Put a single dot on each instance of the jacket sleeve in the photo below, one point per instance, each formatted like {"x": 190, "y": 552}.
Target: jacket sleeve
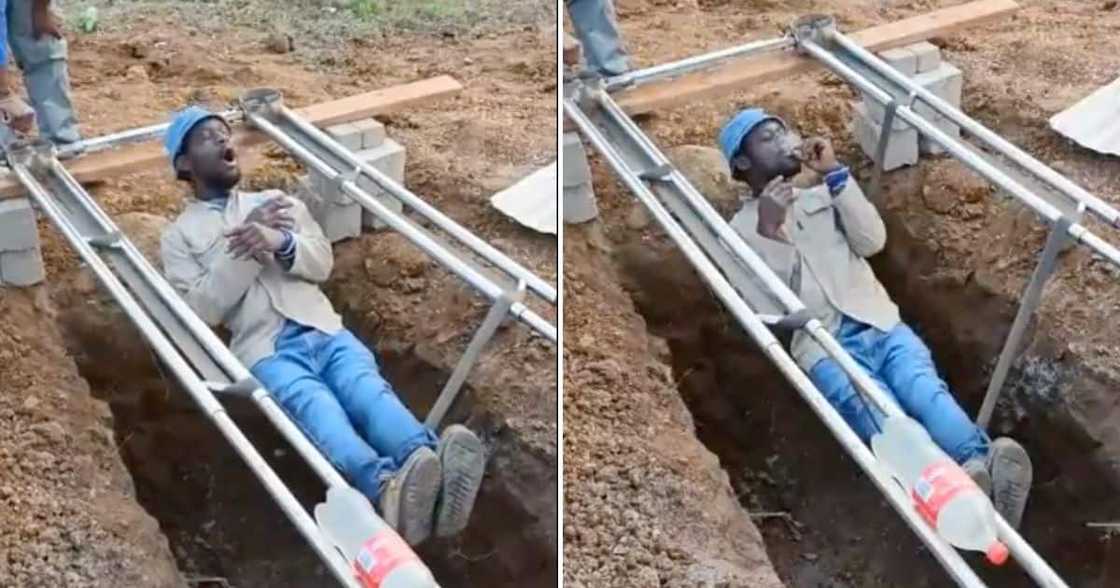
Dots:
{"x": 859, "y": 220}
{"x": 211, "y": 291}
{"x": 314, "y": 258}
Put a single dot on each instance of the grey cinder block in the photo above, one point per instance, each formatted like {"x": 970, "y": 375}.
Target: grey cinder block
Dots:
{"x": 902, "y": 150}
{"x": 22, "y": 267}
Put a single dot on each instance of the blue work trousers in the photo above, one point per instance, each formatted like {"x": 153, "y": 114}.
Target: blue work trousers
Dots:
{"x": 902, "y": 365}
{"x": 597, "y": 28}
{"x": 332, "y": 388}
{"x": 46, "y": 73}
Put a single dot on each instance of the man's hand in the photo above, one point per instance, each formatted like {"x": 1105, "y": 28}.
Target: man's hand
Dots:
{"x": 773, "y": 209}
{"x": 273, "y": 214}
{"x": 254, "y": 240}
{"x": 43, "y": 20}
{"x": 817, "y": 155}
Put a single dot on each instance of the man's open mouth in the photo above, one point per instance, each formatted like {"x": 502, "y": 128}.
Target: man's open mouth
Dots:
{"x": 229, "y": 156}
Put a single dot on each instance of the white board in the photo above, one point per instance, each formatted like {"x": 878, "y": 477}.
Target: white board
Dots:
{"x": 532, "y": 201}
{"x": 1094, "y": 122}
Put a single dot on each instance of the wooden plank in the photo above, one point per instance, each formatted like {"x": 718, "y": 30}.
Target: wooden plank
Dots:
{"x": 742, "y": 74}
{"x": 102, "y": 165}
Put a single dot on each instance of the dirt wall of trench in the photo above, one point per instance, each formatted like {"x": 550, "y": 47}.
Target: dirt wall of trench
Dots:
{"x": 68, "y": 513}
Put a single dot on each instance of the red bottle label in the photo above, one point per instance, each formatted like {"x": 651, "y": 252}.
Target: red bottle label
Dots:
{"x": 383, "y": 553}
{"x": 939, "y": 483}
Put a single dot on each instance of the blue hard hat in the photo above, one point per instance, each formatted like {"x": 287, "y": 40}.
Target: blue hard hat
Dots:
{"x": 181, "y": 125}
{"x": 741, "y": 125}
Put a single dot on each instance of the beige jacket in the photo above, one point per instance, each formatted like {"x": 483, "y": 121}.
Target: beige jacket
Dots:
{"x": 250, "y": 298}
{"x": 831, "y": 239}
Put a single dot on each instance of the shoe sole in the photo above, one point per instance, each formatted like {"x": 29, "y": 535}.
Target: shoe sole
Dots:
{"x": 464, "y": 463}
{"x": 418, "y": 494}
{"x": 1012, "y": 475}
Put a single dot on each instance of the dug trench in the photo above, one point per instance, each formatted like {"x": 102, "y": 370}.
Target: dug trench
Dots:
{"x": 823, "y": 522}
{"x": 223, "y": 527}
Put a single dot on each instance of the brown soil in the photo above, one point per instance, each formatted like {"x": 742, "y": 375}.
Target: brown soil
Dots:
{"x": 69, "y": 515}
{"x": 957, "y": 261}
{"x": 460, "y": 151}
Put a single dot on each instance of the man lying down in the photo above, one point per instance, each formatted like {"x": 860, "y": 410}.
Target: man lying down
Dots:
{"x": 817, "y": 240}
{"x": 253, "y": 262}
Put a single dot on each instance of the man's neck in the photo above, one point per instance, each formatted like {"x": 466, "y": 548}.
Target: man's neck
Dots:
{"x": 212, "y": 194}
{"x": 758, "y": 183}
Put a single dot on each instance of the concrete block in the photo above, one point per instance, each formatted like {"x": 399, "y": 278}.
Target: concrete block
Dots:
{"x": 947, "y": 82}
{"x": 22, "y": 267}
{"x": 902, "y": 150}
{"x": 17, "y": 225}
{"x": 373, "y": 132}
{"x": 928, "y": 147}
{"x": 347, "y": 134}
{"x": 579, "y": 204}
{"x": 389, "y": 159}
{"x": 902, "y": 59}
{"x": 576, "y": 170}
{"x": 928, "y": 56}
{"x": 341, "y": 221}
{"x": 878, "y": 113}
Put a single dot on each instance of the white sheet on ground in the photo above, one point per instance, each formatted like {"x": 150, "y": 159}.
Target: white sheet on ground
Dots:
{"x": 1094, "y": 122}
{"x": 532, "y": 201}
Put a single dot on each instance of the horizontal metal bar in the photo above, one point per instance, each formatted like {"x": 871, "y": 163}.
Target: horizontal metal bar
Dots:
{"x": 689, "y": 64}
{"x": 745, "y": 316}
{"x": 412, "y": 232}
{"x": 137, "y": 135}
{"x": 417, "y": 204}
{"x": 190, "y": 381}
{"x": 966, "y": 156}
{"x": 973, "y": 127}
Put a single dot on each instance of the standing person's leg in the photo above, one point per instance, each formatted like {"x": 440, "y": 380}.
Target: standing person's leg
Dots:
{"x": 351, "y": 370}
{"x": 45, "y": 73}
{"x": 597, "y": 29}
{"x": 291, "y": 377}
{"x": 16, "y": 113}
{"x": 908, "y": 368}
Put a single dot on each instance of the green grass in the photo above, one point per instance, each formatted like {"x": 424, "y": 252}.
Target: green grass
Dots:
{"x": 318, "y": 26}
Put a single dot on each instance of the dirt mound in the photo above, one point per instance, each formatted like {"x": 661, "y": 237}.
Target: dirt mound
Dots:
{"x": 69, "y": 512}
{"x": 645, "y": 503}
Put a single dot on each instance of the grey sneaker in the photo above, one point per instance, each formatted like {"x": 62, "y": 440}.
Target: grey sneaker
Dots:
{"x": 977, "y": 469}
{"x": 408, "y": 499}
{"x": 1011, "y": 472}
{"x": 464, "y": 462}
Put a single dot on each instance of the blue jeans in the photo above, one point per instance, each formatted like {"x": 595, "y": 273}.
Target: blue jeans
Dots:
{"x": 902, "y": 365}
{"x": 331, "y": 387}
{"x": 595, "y": 25}
{"x": 46, "y": 74}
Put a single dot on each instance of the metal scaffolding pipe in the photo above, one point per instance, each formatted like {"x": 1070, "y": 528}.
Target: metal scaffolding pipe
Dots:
{"x": 430, "y": 246}
{"x": 1027, "y": 161}
{"x": 411, "y": 200}
{"x": 978, "y": 164}
{"x": 942, "y": 551}
{"x": 190, "y": 381}
{"x": 221, "y": 354}
{"x": 137, "y": 135}
{"x": 689, "y": 64}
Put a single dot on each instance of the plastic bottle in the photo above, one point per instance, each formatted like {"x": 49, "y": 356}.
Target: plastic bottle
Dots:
{"x": 942, "y": 492}
{"x": 380, "y": 557}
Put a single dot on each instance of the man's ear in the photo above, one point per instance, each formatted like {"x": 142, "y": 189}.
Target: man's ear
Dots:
{"x": 183, "y": 169}
{"x": 740, "y": 165}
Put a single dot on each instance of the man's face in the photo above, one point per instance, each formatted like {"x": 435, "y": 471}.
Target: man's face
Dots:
{"x": 210, "y": 158}
{"x": 769, "y": 151}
